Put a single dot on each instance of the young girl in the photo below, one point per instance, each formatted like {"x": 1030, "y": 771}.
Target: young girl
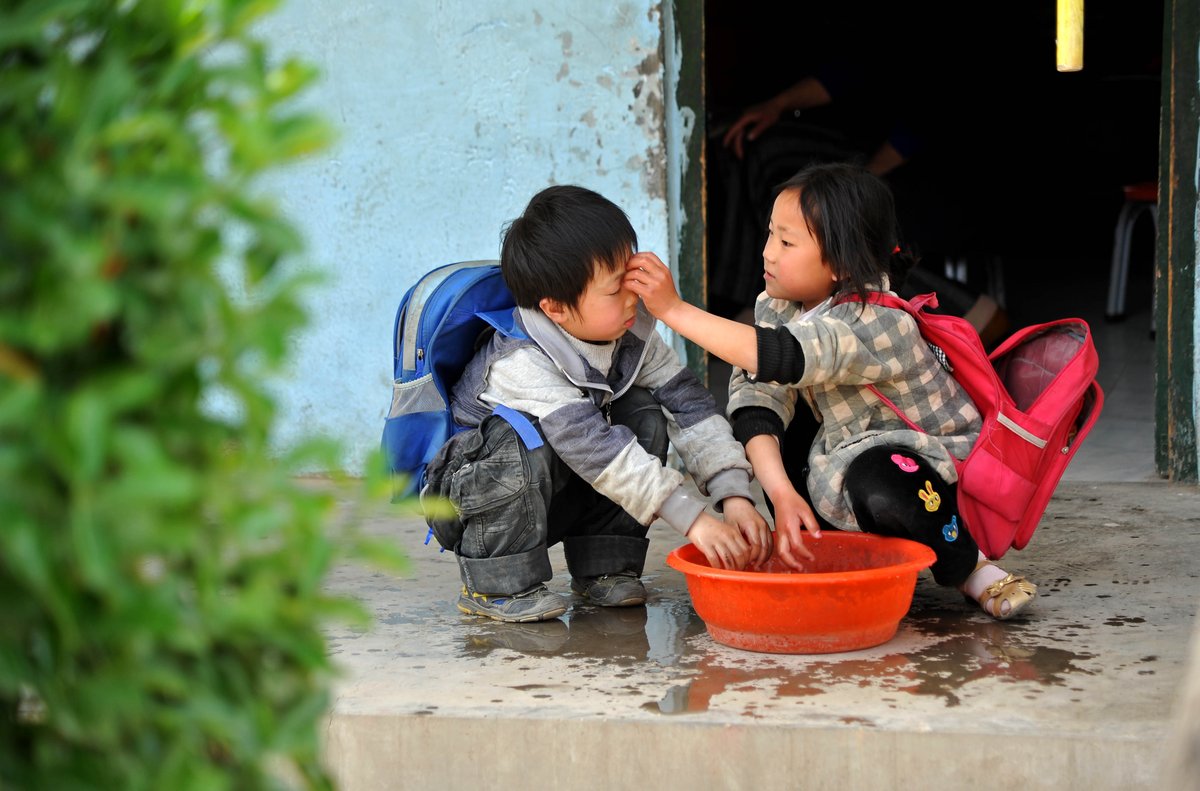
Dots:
{"x": 814, "y": 433}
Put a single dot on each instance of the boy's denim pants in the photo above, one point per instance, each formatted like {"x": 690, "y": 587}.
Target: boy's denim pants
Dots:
{"x": 513, "y": 504}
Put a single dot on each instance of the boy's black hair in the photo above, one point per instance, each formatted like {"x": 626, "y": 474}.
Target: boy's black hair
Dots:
{"x": 852, "y": 215}
{"x": 565, "y": 235}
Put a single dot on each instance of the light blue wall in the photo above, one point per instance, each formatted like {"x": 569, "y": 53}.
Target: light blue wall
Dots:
{"x": 451, "y": 115}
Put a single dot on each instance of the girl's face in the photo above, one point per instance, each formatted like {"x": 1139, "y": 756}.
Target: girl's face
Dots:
{"x": 792, "y": 264}
{"x": 605, "y": 312}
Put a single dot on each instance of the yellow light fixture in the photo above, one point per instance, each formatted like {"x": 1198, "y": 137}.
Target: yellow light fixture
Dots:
{"x": 1070, "y": 35}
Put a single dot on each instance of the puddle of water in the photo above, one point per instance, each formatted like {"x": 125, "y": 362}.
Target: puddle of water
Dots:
{"x": 1123, "y": 620}
{"x": 624, "y": 636}
{"x": 542, "y": 637}
{"x": 945, "y": 654}
{"x": 429, "y": 613}
{"x": 944, "y": 651}
{"x": 985, "y": 650}
{"x": 675, "y": 701}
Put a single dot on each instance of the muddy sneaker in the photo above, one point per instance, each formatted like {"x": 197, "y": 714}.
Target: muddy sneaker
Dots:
{"x": 538, "y": 603}
{"x": 622, "y": 589}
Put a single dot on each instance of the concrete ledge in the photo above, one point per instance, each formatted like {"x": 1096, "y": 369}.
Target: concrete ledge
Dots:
{"x": 1079, "y": 694}
{"x": 502, "y": 753}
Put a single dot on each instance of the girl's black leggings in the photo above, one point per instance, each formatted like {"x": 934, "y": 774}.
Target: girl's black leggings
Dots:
{"x": 894, "y": 492}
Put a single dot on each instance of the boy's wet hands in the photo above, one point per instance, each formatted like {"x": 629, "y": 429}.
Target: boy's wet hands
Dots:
{"x": 722, "y": 544}
{"x": 648, "y": 277}
{"x": 741, "y": 513}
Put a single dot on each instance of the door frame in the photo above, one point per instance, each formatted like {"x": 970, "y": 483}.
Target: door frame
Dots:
{"x": 1175, "y": 259}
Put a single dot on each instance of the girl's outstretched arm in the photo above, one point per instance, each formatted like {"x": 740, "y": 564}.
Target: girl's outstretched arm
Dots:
{"x": 732, "y": 341}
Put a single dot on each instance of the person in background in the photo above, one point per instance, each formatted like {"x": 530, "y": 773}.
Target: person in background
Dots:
{"x": 906, "y": 104}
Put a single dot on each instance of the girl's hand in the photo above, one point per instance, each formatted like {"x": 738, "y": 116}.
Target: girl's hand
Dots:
{"x": 734, "y": 342}
{"x": 650, "y": 279}
{"x": 741, "y": 513}
{"x": 792, "y": 516}
{"x": 721, "y": 543}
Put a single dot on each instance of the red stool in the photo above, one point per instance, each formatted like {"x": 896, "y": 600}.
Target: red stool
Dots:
{"x": 1139, "y": 198}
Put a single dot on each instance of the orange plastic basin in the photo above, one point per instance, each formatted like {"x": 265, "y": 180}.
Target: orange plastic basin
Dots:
{"x": 851, "y": 596}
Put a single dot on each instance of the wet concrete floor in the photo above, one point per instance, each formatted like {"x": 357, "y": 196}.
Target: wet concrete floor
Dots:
{"x": 1079, "y": 693}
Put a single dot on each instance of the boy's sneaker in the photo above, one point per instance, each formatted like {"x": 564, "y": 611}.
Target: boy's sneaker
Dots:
{"x": 538, "y": 603}
{"x": 622, "y": 589}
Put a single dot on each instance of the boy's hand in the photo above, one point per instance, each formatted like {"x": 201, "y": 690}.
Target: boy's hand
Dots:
{"x": 741, "y": 513}
{"x": 648, "y": 277}
{"x": 792, "y": 516}
{"x": 721, "y": 543}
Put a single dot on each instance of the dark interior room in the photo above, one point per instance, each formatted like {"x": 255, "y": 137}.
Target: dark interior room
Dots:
{"x": 1012, "y": 168}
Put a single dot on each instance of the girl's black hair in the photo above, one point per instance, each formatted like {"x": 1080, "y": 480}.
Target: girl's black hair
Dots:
{"x": 564, "y": 236}
{"x": 852, "y": 215}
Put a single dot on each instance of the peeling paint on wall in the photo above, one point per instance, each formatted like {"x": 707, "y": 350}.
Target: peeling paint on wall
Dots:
{"x": 648, "y": 113}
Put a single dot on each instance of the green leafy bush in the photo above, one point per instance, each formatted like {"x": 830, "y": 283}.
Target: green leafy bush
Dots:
{"x": 161, "y": 565}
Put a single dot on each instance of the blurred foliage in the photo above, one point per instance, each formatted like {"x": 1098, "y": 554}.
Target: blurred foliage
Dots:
{"x": 162, "y": 567}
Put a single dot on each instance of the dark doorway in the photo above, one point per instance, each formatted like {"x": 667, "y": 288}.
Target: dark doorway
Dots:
{"x": 1015, "y": 163}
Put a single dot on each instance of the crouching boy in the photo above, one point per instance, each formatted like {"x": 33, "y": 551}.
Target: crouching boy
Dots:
{"x": 575, "y": 453}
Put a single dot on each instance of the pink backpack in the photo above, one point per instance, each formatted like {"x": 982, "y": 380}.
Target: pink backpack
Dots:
{"x": 1039, "y": 398}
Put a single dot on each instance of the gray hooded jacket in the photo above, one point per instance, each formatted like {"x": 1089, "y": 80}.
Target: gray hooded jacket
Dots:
{"x": 567, "y": 384}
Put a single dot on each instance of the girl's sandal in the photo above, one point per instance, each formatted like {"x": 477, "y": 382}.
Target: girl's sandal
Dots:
{"x": 1017, "y": 591}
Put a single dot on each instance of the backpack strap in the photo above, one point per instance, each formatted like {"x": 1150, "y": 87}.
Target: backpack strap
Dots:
{"x": 914, "y": 305}
{"x": 505, "y": 322}
{"x": 911, "y": 306}
{"x": 895, "y": 408}
{"x": 521, "y": 424}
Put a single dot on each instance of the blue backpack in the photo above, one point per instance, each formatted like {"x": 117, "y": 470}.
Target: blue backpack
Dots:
{"x": 438, "y": 328}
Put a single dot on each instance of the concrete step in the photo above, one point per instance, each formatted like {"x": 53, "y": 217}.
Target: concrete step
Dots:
{"x": 1080, "y": 693}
